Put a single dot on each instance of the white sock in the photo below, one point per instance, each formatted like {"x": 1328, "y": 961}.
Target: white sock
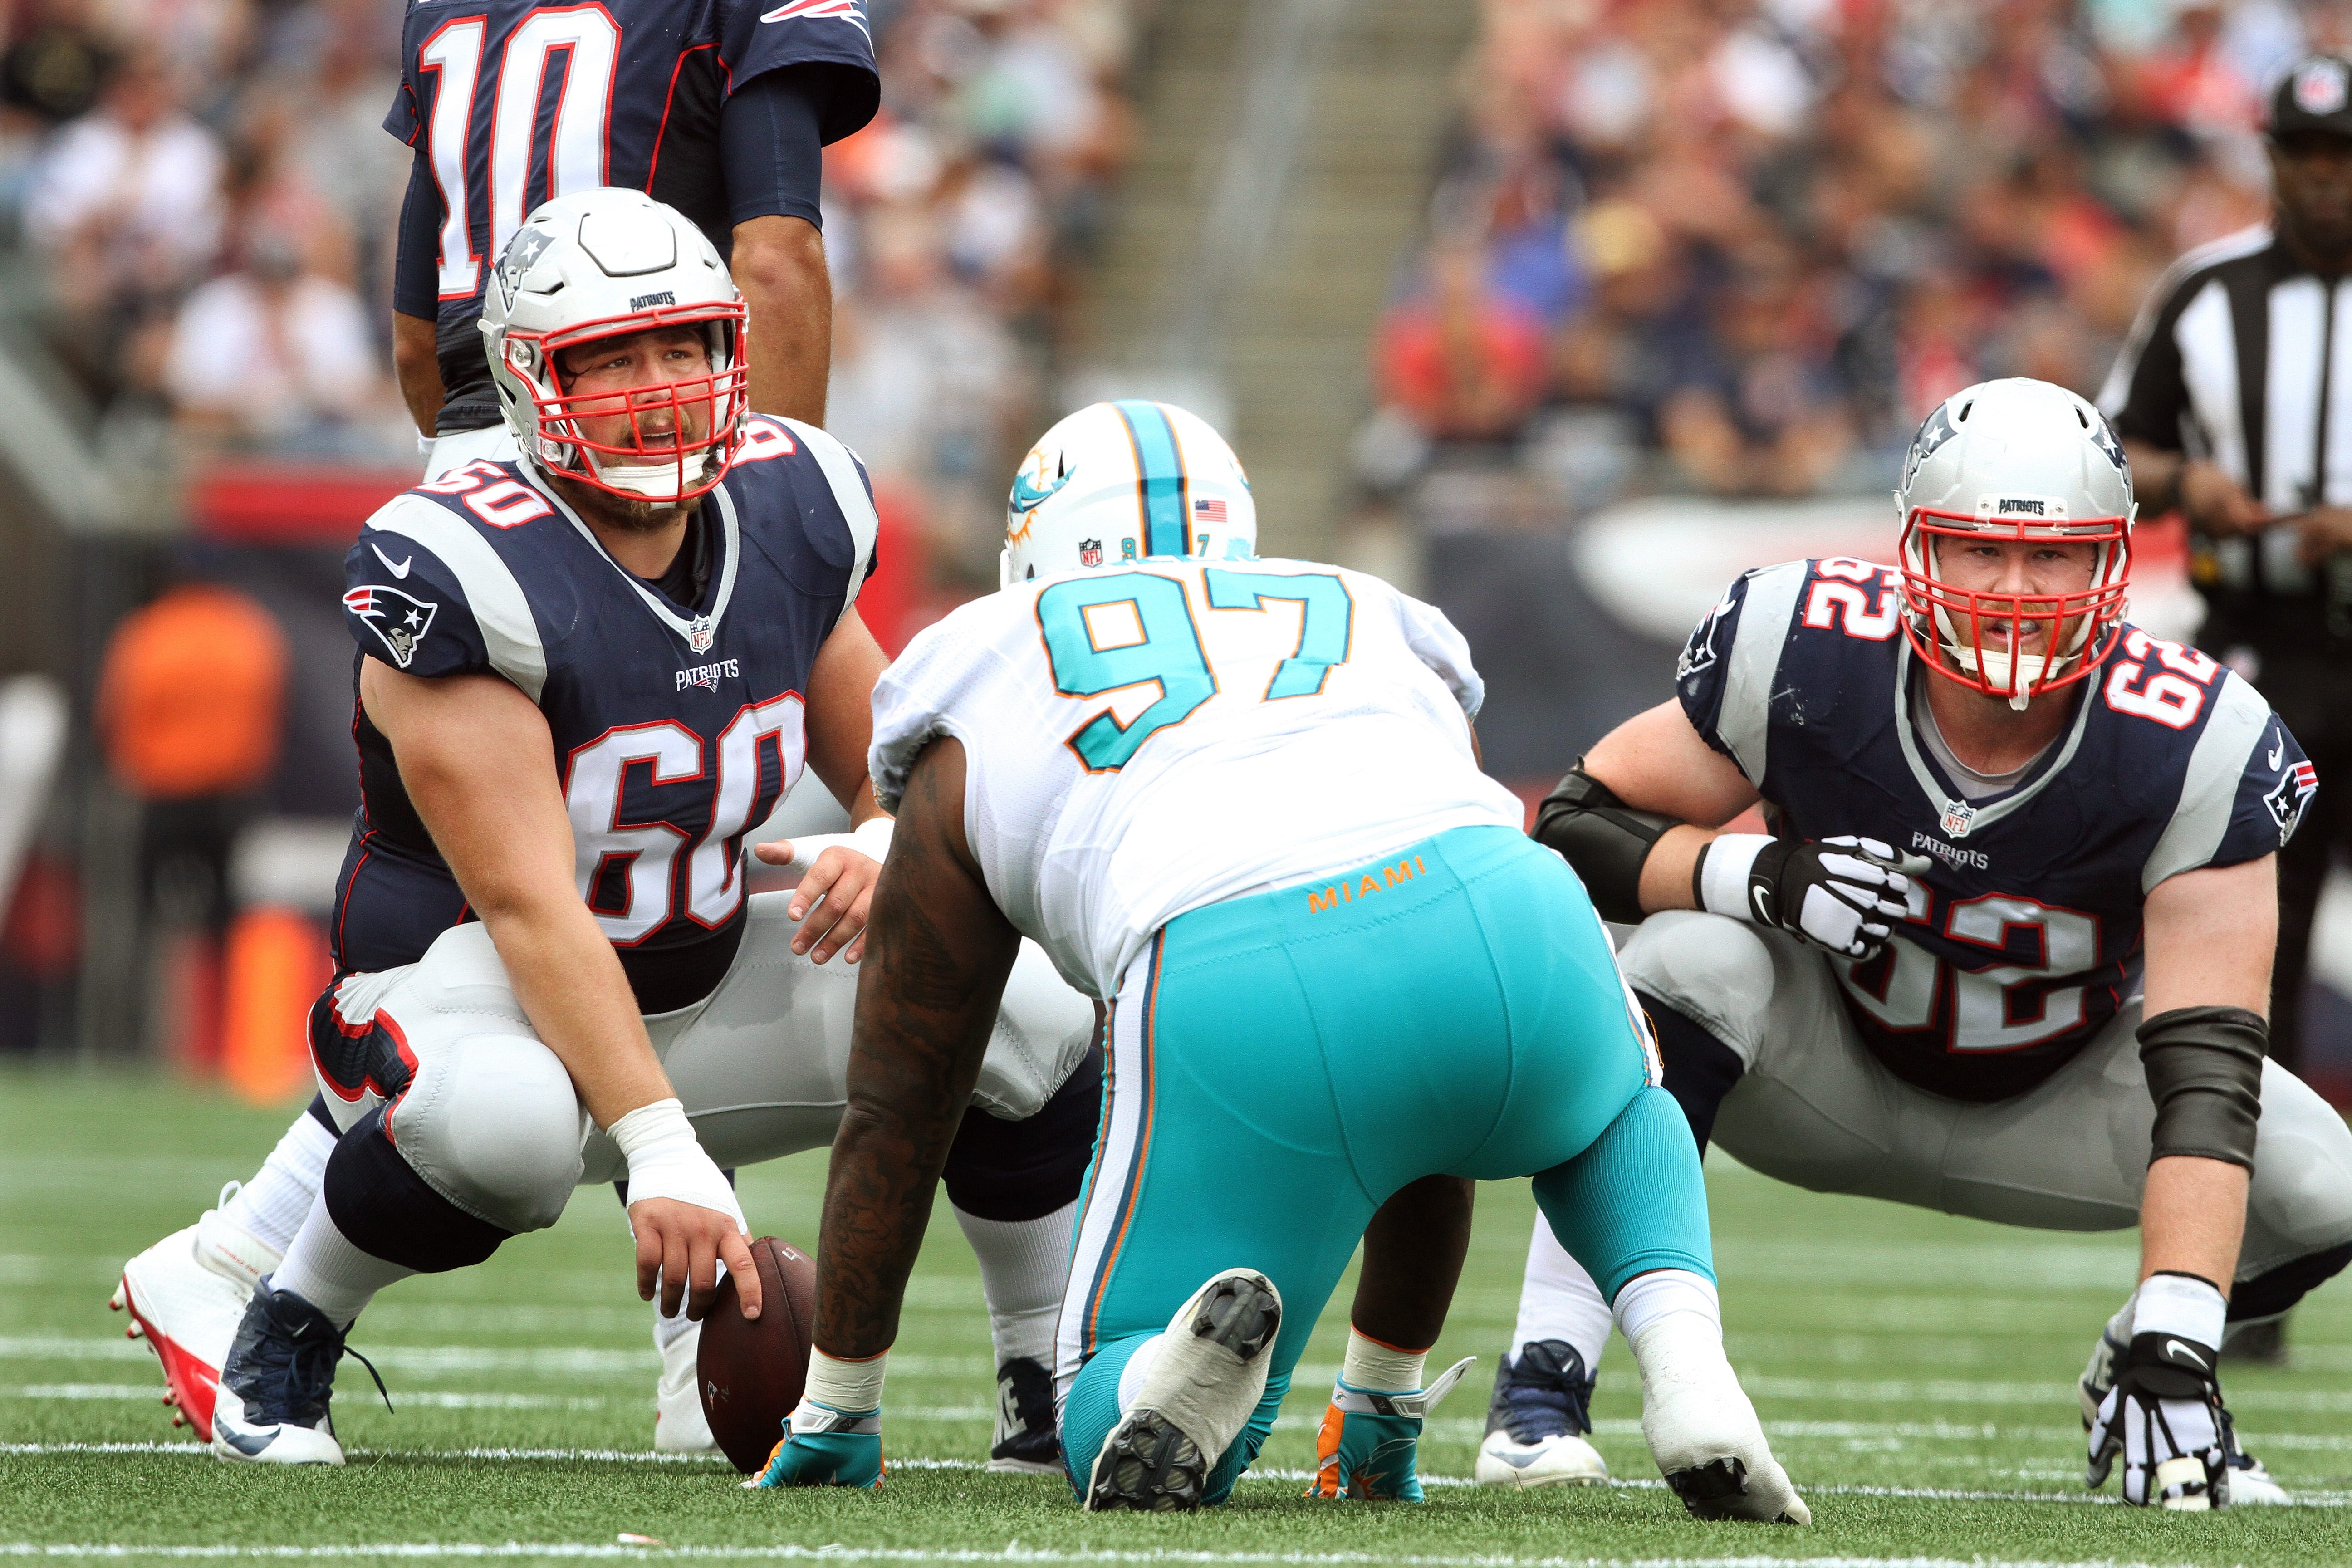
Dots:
{"x": 668, "y": 1329}
{"x": 1662, "y": 1292}
{"x": 326, "y": 1268}
{"x": 1381, "y": 1369}
{"x": 1025, "y": 1265}
{"x": 1559, "y": 1301}
{"x": 272, "y": 1207}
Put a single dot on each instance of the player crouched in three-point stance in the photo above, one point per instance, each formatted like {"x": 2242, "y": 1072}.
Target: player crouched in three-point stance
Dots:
{"x": 2008, "y": 951}
{"x": 587, "y": 674}
{"x": 1238, "y": 800}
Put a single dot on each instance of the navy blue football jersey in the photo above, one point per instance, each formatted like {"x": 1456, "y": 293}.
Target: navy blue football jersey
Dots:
{"x": 2023, "y": 937}
{"x": 517, "y": 103}
{"x": 677, "y": 727}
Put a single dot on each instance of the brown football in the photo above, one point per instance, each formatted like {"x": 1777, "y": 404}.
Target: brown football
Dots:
{"x": 751, "y": 1370}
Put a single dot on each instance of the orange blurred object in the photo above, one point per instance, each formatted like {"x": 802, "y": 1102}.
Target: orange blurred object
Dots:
{"x": 190, "y": 697}
{"x": 276, "y": 966}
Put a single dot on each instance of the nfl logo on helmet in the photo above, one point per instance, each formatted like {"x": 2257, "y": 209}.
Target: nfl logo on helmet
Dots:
{"x": 1090, "y": 551}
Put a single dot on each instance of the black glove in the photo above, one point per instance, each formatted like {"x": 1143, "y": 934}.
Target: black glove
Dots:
{"x": 2164, "y": 1415}
{"x": 1842, "y": 894}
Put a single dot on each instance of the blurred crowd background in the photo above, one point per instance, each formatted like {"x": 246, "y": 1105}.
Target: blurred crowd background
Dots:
{"x": 1739, "y": 247}
{"x": 1690, "y": 270}
{"x": 200, "y": 204}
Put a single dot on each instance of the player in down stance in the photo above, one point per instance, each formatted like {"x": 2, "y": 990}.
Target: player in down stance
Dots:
{"x": 586, "y": 675}
{"x": 1239, "y": 801}
{"x": 2008, "y": 951}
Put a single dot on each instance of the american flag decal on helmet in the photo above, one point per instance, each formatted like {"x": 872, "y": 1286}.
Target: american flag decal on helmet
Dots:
{"x": 1209, "y": 509}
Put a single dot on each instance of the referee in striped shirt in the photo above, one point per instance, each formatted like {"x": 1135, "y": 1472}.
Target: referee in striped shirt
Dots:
{"x": 2234, "y": 399}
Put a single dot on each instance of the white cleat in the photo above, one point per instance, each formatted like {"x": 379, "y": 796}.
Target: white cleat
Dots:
{"x": 277, "y": 1383}
{"x": 1561, "y": 1459}
{"x": 1208, "y": 1373}
{"x": 1703, "y": 1431}
{"x": 679, "y": 1425}
{"x": 185, "y": 1296}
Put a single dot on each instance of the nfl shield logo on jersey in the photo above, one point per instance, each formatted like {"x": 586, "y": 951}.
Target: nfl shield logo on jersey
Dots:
{"x": 701, "y": 635}
{"x": 1090, "y": 551}
{"x": 1958, "y": 815}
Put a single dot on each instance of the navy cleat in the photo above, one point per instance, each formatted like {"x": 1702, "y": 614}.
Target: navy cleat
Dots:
{"x": 1028, "y": 1440}
{"x": 1538, "y": 1426}
{"x": 276, "y": 1383}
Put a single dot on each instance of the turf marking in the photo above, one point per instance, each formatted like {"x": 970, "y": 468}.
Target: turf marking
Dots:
{"x": 836, "y": 1553}
{"x": 2303, "y": 1497}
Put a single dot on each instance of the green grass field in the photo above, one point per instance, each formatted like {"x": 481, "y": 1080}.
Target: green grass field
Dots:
{"x": 1915, "y": 1372}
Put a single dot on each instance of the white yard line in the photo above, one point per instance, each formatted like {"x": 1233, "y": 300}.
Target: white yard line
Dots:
{"x": 1014, "y": 1553}
{"x": 2304, "y": 1497}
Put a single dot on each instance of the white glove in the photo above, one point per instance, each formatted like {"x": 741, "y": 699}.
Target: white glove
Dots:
{"x": 1843, "y": 894}
{"x": 665, "y": 1161}
{"x": 2163, "y": 1415}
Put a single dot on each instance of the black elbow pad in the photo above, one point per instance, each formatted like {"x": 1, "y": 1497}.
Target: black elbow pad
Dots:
{"x": 1604, "y": 840}
{"x": 2204, "y": 1068}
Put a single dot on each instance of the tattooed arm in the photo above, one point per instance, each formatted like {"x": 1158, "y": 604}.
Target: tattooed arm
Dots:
{"x": 937, "y": 955}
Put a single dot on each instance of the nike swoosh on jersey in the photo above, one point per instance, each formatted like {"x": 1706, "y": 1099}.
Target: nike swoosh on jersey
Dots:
{"x": 2278, "y": 753}
{"x": 2172, "y": 1345}
{"x": 397, "y": 568}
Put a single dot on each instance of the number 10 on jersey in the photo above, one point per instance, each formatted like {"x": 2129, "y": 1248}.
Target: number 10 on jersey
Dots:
{"x": 1107, "y": 633}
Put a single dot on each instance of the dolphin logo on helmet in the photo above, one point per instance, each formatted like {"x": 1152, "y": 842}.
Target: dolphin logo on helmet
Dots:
{"x": 1150, "y": 475}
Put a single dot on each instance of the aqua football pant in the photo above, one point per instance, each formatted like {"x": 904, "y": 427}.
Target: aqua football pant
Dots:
{"x": 1281, "y": 1063}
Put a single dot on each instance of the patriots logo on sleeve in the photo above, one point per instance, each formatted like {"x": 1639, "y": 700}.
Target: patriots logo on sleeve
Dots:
{"x": 399, "y": 620}
{"x": 2296, "y": 785}
{"x": 850, "y": 11}
{"x": 1699, "y": 653}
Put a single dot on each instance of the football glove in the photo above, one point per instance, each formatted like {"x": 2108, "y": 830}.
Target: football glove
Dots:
{"x": 1843, "y": 894}
{"x": 826, "y": 1447}
{"x": 1369, "y": 1441}
{"x": 2164, "y": 1416}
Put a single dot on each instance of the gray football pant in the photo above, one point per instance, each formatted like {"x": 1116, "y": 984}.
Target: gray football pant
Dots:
{"x": 1815, "y": 1108}
{"x": 490, "y": 1120}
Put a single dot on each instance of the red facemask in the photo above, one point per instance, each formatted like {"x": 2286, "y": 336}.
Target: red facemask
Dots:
{"x": 1953, "y": 628}
{"x": 647, "y": 463}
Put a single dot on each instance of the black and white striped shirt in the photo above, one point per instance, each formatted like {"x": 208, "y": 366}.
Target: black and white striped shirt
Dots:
{"x": 2243, "y": 357}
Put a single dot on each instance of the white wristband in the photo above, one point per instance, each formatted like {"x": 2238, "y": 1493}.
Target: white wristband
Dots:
{"x": 855, "y": 1386}
{"x": 666, "y": 1161}
{"x": 871, "y": 840}
{"x": 1723, "y": 876}
{"x": 2182, "y": 1305}
{"x": 873, "y": 835}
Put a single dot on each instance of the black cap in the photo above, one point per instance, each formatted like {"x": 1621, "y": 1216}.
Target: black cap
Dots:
{"x": 2316, "y": 95}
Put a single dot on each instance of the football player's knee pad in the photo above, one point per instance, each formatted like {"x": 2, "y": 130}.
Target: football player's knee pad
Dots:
{"x": 2302, "y": 1188}
{"x": 1043, "y": 1031}
{"x": 1713, "y": 970}
{"x": 493, "y": 1123}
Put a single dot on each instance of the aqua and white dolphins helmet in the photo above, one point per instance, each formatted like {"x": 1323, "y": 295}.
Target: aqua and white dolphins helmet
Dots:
{"x": 1125, "y": 482}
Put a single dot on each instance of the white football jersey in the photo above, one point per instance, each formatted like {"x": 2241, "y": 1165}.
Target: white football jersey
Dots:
{"x": 1146, "y": 740}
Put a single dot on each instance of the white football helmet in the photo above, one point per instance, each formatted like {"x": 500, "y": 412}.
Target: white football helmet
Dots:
{"x": 1124, "y": 481}
{"x": 2015, "y": 459}
{"x": 606, "y": 263}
